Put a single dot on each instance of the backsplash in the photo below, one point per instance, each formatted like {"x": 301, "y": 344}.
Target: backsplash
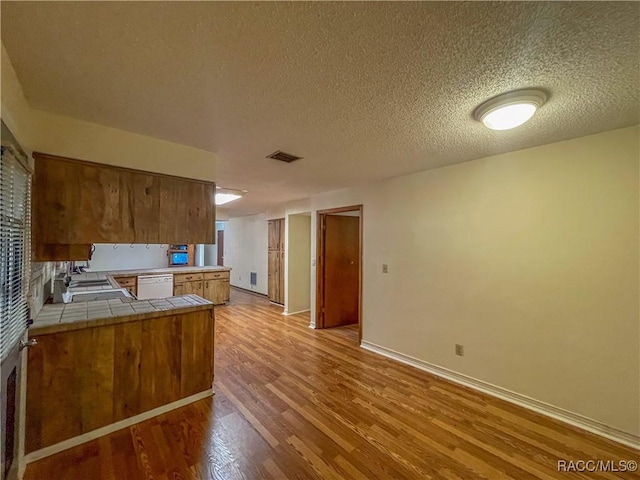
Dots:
{"x": 41, "y": 284}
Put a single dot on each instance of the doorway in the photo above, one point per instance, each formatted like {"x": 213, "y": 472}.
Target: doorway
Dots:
{"x": 339, "y": 268}
{"x": 220, "y": 259}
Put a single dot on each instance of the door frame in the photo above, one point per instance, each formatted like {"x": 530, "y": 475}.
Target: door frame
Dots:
{"x": 320, "y": 260}
{"x": 220, "y": 247}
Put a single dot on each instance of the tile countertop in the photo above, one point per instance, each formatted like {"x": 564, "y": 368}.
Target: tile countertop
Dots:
{"x": 59, "y": 317}
{"x": 148, "y": 271}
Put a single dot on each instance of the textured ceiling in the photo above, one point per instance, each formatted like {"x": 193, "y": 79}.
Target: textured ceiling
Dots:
{"x": 363, "y": 91}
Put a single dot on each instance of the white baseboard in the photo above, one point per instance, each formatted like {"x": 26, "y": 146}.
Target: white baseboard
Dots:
{"x": 295, "y": 313}
{"x": 543, "y": 408}
{"x": 127, "y": 422}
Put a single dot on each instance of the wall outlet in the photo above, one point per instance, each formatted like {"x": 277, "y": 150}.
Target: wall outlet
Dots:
{"x": 385, "y": 268}
{"x": 459, "y": 350}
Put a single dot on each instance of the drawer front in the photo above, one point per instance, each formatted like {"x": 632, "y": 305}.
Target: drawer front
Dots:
{"x": 187, "y": 277}
{"x": 126, "y": 281}
{"x": 216, "y": 275}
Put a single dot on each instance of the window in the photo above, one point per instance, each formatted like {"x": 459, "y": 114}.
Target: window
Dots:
{"x": 15, "y": 249}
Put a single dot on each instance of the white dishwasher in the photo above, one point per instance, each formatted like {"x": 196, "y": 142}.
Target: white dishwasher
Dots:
{"x": 155, "y": 286}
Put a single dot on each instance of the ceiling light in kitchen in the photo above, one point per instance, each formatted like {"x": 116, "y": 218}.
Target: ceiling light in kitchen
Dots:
{"x": 222, "y": 198}
{"x": 226, "y": 195}
{"x": 510, "y": 110}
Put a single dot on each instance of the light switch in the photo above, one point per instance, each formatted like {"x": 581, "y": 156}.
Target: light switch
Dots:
{"x": 385, "y": 268}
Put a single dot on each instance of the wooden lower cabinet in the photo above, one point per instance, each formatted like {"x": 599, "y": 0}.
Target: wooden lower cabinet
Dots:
{"x": 214, "y": 286}
{"x": 130, "y": 283}
{"x": 81, "y": 380}
{"x": 189, "y": 288}
{"x": 216, "y": 291}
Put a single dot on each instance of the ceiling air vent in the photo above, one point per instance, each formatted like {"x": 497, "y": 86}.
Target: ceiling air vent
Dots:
{"x": 283, "y": 157}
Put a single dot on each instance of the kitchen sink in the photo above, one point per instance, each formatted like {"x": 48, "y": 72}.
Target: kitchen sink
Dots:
{"x": 92, "y": 295}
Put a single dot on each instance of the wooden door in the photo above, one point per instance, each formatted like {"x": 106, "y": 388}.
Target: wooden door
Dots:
{"x": 274, "y": 276}
{"x": 220, "y": 260}
{"x": 341, "y": 293}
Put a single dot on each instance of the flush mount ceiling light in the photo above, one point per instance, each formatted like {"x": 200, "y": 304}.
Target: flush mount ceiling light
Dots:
{"x": 510, "y": 110}
{"x": 226, "y": 195}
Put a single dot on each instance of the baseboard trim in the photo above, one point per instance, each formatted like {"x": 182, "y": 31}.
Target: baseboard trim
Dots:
{"x": 295, "y": 313}
{"x": 571, "y": 418}
{"x": 127, "y": 422}
{"x": 250, "y": 291}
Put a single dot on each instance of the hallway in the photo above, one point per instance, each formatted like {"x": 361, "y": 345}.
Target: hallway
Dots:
{"x": 297, "y": 403}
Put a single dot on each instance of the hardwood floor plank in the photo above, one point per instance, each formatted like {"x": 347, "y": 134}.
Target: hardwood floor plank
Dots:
{"x": 296, "y": 403}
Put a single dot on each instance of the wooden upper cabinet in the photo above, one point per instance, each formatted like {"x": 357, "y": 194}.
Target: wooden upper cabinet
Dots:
{"x": 276, "y": 234}
{"x": 80, "y": 203}
{"x": 275, "y": 281}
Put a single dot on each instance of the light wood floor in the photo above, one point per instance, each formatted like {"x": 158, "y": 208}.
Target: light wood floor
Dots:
{"x": 296, "y": 403}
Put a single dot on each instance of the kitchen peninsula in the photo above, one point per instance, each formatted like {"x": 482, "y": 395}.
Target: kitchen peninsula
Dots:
{"x": 104, "y": 364}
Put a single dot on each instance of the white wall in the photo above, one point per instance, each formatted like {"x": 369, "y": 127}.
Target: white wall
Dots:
{"x": 245, "y": 245}
{"x": 210, "y": 251}
{"x": 298, "y": 263}
{"x": 37, "y": 130}
{"x": 124, "y": 257}
{"x": 529, "y": 259}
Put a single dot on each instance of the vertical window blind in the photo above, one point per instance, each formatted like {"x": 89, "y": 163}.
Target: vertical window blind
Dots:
{"x": 15, "y": 249}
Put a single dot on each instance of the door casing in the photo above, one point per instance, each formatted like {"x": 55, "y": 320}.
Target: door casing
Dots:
{"x": 320, "y": 261}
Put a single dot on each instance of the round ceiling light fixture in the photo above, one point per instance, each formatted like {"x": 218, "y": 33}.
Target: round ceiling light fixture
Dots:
{"x": 510, "y": 110}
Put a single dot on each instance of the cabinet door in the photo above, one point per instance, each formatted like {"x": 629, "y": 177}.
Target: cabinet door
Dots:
{"x": 281, "y": 239}
{"x": 272, "y": 280}
{"x": 195, "y": 288}
{"x": 216, "y": 291}
{"x": 209, "y": 290}
{"x": 274, "y": 234}
{"x": 280, "y": 278}
{"x": 77, "y": 203}
{"x": 196, "y": 203}
{"x": 179, "y": 289}
{"x": 225, "y": 290}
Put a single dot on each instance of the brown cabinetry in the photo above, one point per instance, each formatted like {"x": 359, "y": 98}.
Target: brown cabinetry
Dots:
{"x": 276, "y": 261}
{"x": 81, "y": 380}
{"x": 216, "y": 287}
{"x": 77, "y": 203}
{"x": 188, "y": 284}
{"x": 130, "y": 283}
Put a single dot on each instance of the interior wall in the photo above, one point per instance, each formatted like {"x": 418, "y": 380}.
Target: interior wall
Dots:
{"x": 246, "y": 248}
{"x": 298, "y": 260}
{"x": 210, "y": 251}
{"x": 124, "y": 257}
{"x": 529, "y": 259}
{"x": 37, "y": 130}
{"x": 16, "y": 113}
{"x": 40, "y": 285}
